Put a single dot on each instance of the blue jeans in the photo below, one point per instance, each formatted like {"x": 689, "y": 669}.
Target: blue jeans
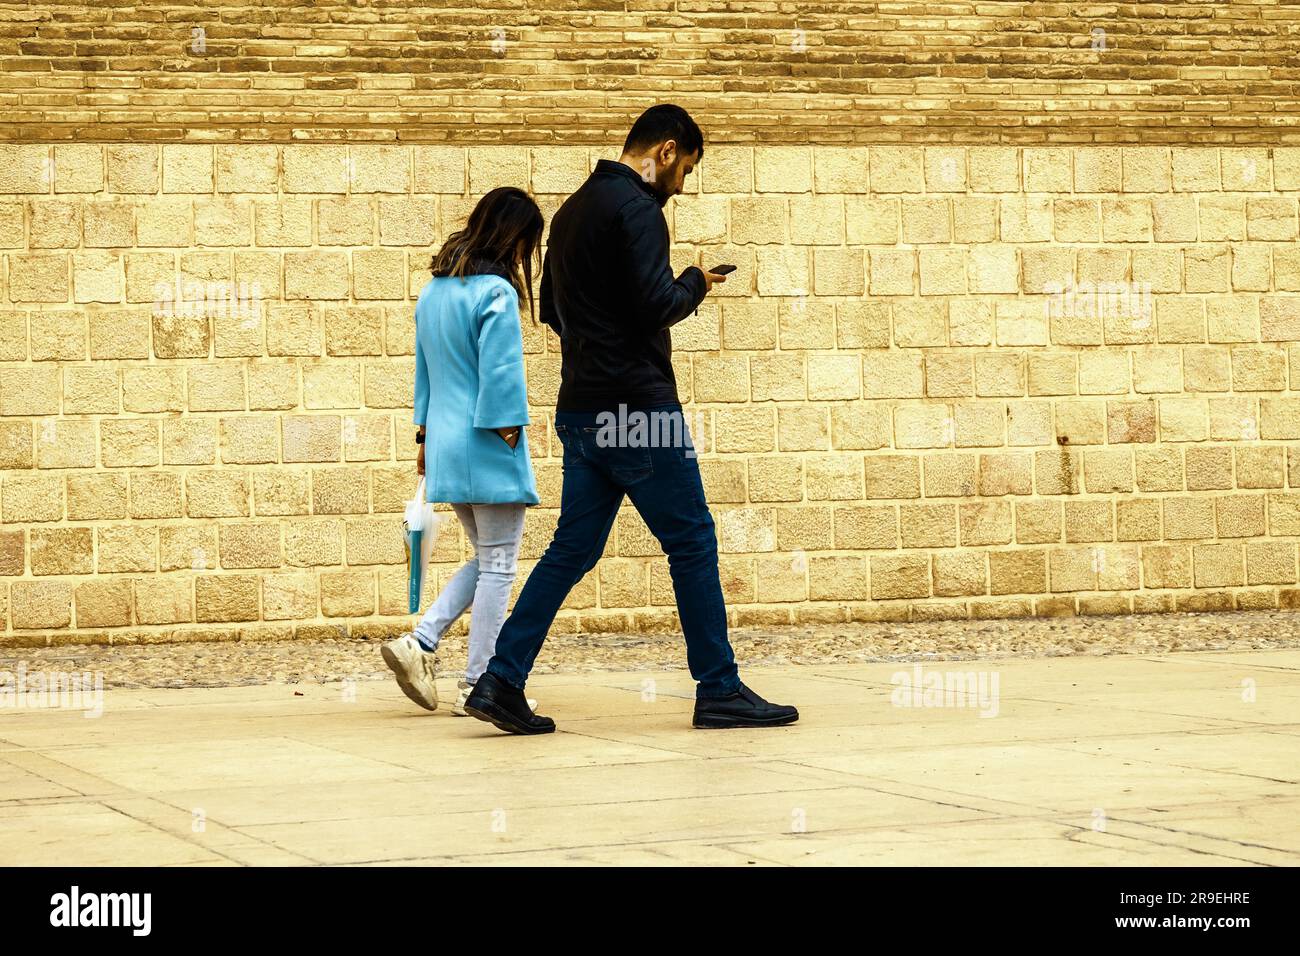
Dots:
{"x": 605, "y": 458}
{"x": 483, "y": 583}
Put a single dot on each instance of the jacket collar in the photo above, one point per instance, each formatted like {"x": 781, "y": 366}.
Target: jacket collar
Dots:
{"x": 621, "y": 169}
{"x": 477, "y": 265}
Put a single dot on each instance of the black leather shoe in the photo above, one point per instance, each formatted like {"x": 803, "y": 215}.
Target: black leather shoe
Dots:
{"x": 744, "y": 708}
{"x": 506, "y": 708}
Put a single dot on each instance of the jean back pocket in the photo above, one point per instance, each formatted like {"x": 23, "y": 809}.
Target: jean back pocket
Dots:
{"x": 625, "y": 457}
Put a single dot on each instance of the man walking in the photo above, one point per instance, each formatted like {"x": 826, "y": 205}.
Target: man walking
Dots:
{"x": 608, "y": 291}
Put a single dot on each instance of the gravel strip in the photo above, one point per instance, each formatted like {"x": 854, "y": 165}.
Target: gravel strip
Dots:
{"x": 233, "y": 663}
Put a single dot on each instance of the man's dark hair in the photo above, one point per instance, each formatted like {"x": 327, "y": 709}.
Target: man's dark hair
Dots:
{"x": 665, "y": 121}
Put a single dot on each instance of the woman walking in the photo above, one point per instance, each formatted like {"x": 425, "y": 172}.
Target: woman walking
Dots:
{"x": 470, "y": 409}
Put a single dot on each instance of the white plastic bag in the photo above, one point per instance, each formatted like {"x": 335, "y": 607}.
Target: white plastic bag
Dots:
{"x": 420, "y": 528}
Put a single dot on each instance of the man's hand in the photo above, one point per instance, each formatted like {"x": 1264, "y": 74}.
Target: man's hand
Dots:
{"x": 710, "y": 278}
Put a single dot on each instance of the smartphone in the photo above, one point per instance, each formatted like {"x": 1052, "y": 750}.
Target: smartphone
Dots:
{"x": 723, "y": 270}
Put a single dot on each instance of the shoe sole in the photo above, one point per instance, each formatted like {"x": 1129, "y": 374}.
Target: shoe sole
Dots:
{"x": 717, "y": 722}
{"x": 498, "y": 719}
{"x": 395, "y": 665}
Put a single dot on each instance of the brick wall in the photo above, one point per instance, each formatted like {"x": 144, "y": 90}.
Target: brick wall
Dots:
{"x": 944, "y": 381}
{"x": 562, "y": 73}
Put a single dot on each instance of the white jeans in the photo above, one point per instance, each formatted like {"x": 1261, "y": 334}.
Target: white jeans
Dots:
{"x": 482, "y": 584}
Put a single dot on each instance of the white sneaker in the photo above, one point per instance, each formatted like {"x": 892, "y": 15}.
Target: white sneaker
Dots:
{"x": 464, "y": 688}
{"x": 415, "y": 668}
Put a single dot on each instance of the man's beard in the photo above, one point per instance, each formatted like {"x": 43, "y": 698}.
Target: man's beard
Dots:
{"x": 660, "y": 190}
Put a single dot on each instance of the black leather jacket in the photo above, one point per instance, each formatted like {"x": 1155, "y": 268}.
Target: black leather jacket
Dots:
{"x": 608, "y": 290}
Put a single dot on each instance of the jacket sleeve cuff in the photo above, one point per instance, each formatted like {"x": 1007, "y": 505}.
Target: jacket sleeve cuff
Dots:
{"x": 702, "y": 287}
{"x": 502, "y": 397}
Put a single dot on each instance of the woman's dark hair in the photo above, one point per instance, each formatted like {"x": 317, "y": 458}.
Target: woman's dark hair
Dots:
{"x": 503, "y": 236}
{"x": 665, "y": 121}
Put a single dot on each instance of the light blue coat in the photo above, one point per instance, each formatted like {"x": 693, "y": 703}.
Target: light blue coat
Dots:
{"x": 469, "y": 380}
